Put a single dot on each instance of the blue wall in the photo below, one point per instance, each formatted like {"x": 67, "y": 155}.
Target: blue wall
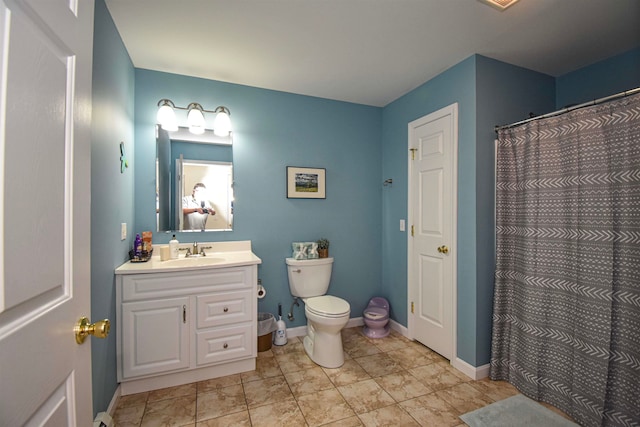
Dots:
{"x": 111, "y": 191}
{"x": 604, "y": 78}
{"x": 504, "y": 94}
{"x": 273, "y": 130}
{"x": 457, "y": 84}
{"x": 488, "y": 92}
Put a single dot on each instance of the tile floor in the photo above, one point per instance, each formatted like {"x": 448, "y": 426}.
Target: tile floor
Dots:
{"x": 384, "y": 382}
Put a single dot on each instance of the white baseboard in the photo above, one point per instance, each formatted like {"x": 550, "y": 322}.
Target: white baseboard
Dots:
{"x": 111, "y": 409}
{"x": 299, "y": 331}
{"x": 399, "y": 328}
{"x": 476, "y": 373}
{"x": 355, "y": 321}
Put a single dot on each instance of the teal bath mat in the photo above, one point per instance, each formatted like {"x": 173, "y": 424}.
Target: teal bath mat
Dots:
{"x": 516, "y": 411}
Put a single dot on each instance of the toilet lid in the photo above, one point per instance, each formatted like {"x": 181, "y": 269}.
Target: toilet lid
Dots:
{"x": 375, "y": 313}
{"x": 328, "y": 305}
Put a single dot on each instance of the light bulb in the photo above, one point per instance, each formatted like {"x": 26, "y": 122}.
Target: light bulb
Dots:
{"x": 195, "y": 118}
{"x": 222, "y": 122}
{"x": 167, "y": 118}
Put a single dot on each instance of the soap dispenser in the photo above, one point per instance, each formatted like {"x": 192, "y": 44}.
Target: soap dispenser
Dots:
{"x": 174, "y": 247}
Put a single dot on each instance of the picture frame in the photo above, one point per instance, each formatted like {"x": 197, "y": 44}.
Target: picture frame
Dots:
{"x": 306, "y": 183}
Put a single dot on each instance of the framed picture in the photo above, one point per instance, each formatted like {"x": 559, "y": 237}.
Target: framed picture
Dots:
{"x": 306, "y": 183}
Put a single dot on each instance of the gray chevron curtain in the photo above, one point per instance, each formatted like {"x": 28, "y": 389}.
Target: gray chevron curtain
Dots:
{"x": 566, "y": 322}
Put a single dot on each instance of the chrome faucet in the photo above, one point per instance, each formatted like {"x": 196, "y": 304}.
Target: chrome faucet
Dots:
{"x": 193, "y": 251}
{"x": 196, "y": 250}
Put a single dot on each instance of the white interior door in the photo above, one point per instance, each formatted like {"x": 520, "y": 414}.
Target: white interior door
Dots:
{"x": 432, "y": 216}
{"x": 45, "y": 118}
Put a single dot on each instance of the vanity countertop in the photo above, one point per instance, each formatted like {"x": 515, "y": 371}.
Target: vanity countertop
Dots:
{"x": 221, "y": 255}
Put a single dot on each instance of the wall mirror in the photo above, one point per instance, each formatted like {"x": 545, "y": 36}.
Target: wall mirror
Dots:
{"x": 194, "y": 181}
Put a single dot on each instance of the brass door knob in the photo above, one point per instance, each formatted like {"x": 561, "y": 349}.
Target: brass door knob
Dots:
{"x": 443, "y": 249}
{"x": 84, "y": 328}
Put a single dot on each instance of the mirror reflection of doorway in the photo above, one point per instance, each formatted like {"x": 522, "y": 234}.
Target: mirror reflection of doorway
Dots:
{"x": 218, "y": 194}
{"x": 212, "y": 159}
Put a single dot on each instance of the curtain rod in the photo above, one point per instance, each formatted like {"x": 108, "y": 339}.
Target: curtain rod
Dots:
{"x": 575, "y": 107}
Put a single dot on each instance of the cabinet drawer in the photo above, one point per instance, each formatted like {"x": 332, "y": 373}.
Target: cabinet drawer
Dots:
{"x": 222, "y": 344}
{"x": 223, "y": 308}
{"x": 145, "y": 286}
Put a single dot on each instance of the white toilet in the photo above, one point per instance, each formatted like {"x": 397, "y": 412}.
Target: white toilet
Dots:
{"x": 326, "y": 314}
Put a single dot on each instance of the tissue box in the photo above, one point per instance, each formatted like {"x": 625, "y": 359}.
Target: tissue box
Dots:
{"x": 312, "y": 250}
{"x": 304, "y": 250}
{"x": 299, "y": 250}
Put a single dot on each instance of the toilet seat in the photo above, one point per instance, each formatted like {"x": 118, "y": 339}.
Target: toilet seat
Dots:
{"x": 375, "y": 313}
{"x": 327, "y": 306}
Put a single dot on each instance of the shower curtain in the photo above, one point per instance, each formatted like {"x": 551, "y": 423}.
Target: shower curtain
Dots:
{"x": 566, "y": 322}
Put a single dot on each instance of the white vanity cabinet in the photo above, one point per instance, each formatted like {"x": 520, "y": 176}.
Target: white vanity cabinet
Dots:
{"x": 177, "y": 327}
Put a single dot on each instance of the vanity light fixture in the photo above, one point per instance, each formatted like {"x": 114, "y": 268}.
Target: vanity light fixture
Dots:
{"x": 166, "y": 117}
{"x": 499, "y": 4}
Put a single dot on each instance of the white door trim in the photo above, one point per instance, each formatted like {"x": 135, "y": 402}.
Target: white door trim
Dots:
{"x": 411, "y": 291}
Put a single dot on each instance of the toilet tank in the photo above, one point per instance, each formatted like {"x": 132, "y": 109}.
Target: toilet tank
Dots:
{"x": 309, "y": 277}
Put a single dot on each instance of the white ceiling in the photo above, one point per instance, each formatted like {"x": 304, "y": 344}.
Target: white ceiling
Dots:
{"x": 366, "y": 51}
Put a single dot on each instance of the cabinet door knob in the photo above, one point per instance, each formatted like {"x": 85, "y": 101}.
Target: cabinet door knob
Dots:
{"x": 225, "y": 345}
{"x": 225, "y": 309}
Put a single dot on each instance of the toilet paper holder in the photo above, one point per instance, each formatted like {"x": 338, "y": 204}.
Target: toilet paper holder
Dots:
{"x": 262, "y": 292}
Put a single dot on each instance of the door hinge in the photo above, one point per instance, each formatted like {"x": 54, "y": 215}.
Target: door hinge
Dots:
{"x": 411, "y": 307}
{"x": 412, "y": 231}
{"x": 413, "y": 153}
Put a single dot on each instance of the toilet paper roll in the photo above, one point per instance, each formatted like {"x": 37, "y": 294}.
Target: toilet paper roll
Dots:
{"x": 165, "y": 253}
{"x": 262, "y": 292}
